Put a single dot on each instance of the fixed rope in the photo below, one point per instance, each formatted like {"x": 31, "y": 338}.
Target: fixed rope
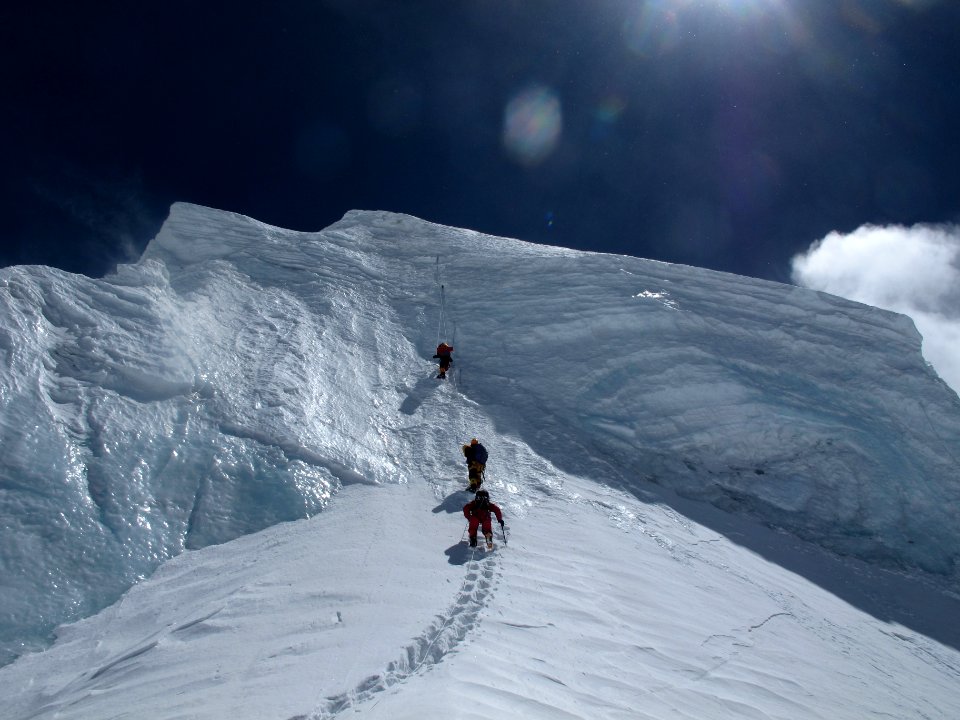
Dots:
{"x": 442, "y": 322}
{"x": 442, "y": 329}
{"x": 442, "y": 326}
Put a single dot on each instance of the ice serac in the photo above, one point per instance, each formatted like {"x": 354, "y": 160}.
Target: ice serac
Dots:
{"x": 239, "y": 373}
{"x": 180, "y": 402}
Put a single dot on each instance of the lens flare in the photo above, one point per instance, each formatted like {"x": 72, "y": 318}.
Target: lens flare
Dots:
{"x": 532, "y": 125}
{"x": 610, "y": 109}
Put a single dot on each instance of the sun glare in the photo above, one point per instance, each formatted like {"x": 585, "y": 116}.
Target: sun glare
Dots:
{"x": 657, "y": 26}
{"x": 751, "y": 7}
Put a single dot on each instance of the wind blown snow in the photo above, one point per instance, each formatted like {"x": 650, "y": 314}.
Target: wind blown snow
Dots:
{"x": 914, "y": 271}
{"x": 725, "y": 497}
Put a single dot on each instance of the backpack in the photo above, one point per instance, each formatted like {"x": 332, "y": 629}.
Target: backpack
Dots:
{"x": 480, "y": 454}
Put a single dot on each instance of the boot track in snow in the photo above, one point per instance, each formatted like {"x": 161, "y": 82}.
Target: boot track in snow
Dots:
{"x": 441, "y": 637}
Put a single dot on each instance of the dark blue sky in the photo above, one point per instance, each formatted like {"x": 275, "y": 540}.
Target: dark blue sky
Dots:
{"x": 727, "y": 134}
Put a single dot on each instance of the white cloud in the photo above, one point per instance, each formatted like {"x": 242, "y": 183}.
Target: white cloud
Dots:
{"x": 910, "y": 270}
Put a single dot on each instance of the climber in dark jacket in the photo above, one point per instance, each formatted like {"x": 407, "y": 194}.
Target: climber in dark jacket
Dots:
{"x": 476, "y": 455}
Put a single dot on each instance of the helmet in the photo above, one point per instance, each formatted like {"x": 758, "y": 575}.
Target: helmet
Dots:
{"x": 474, "y": 441}
{"x": 482, "y": 498}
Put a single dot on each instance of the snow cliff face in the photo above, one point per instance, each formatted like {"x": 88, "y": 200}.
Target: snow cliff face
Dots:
{"x": 240, "y": 374}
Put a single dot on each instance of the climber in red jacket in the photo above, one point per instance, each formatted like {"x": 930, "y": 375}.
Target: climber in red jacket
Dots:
{"x": 477, "y": 511}
{"x": 445, "y": 356}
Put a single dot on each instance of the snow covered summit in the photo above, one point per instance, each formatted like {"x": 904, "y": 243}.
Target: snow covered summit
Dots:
{"x": 240, "y": 375}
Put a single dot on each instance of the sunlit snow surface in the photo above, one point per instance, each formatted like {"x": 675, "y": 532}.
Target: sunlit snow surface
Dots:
{"x": 241, "y": 375}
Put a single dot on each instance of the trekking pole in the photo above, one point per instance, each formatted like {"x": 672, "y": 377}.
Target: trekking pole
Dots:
{"x": 503, "y": 533}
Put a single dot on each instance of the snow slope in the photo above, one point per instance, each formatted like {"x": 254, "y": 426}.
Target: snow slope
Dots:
{"x": 601, "y": 606}
{"x": 240, "y": 376}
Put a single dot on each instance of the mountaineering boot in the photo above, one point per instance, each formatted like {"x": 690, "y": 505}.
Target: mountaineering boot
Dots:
{"x": 489, "y": 539}
{"x": 473, "y": 541}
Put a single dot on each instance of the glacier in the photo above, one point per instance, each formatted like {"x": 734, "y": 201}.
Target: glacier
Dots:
{"x": 240, "y": 376}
